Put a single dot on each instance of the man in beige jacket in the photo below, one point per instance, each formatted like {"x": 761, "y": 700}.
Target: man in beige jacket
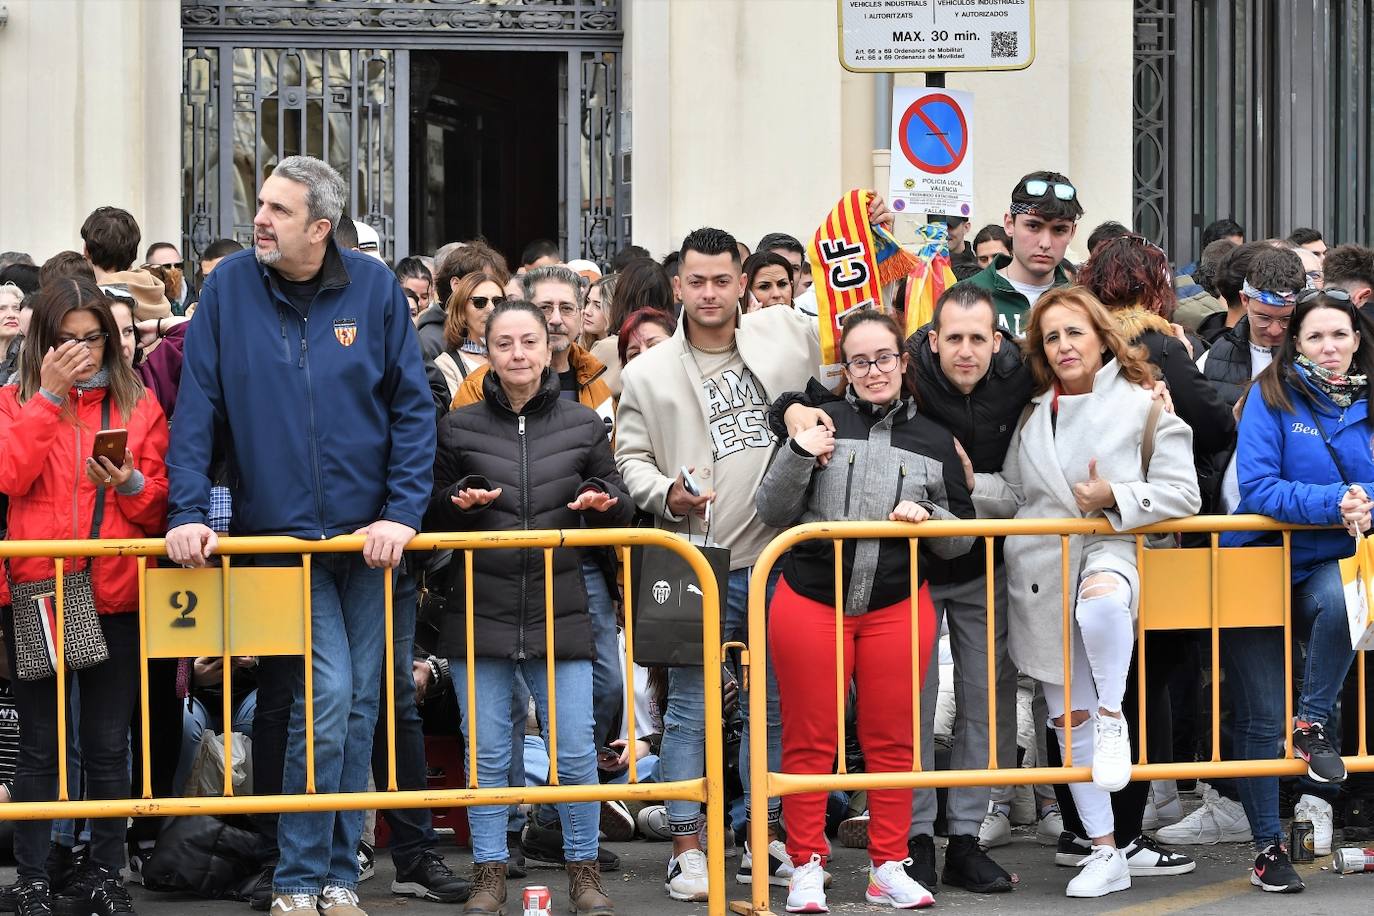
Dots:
{"x": 700, "y": 400}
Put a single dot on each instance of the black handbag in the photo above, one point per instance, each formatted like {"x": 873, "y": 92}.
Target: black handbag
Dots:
{"x": 35, "y": 611}
{"x": 667, "y": 603}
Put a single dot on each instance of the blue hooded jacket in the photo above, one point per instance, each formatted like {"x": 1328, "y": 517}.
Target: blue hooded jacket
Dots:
{"x": 326, "y": 418}
{"x": 1286, "y": 472}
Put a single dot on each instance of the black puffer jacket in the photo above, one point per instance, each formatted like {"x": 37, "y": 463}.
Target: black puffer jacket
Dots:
{"x": 540, "y": 459}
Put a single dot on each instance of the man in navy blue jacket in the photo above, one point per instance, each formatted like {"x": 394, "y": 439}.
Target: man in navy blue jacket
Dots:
{"x": 303, "y": 368}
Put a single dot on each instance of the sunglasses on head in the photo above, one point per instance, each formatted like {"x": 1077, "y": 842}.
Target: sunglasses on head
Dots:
{"x": 1038, "y": 187}
{"x": 1330, "y": 292}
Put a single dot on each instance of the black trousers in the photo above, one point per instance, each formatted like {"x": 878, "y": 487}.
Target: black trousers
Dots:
{"x": 109, "y": 696}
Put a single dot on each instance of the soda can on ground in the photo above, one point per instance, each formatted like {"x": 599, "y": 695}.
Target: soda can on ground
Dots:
{"x": 1352, "y": 860}
{"x": 1300, "y": 842}
{"x": 538, "y": 901}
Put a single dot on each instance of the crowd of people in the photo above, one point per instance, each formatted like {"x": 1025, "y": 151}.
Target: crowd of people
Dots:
{"x": 304, "y": 387}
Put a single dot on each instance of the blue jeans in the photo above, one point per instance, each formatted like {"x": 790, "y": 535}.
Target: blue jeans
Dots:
{"x": 1252, "y": 660}
{"x": 412, "y": 829}
{"x": 493, "y": 678}
{"x": 684, "y": 722}
{"x": 196, "y": 718}
{"x": 319, "y": 848}
{"x": 608, "y": 689}
{"x": 1319, "y": 620}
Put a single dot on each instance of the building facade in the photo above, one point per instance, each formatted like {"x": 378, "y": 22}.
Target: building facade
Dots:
{"x": 596, "y": 122}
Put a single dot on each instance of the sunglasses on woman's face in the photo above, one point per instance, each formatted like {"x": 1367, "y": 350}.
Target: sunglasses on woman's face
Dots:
{"x": 481, "y": 302}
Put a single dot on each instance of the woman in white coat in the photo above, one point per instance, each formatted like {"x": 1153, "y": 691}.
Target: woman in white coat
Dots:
{"x": 1092, "y": 444}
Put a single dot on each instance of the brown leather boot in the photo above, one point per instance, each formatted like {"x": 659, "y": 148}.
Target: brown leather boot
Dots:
{"x": 488, "y": 890}
{"x": 585, "y": 892}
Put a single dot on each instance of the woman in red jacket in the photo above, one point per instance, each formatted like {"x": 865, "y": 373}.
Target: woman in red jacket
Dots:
{"x": 71, "y": 368}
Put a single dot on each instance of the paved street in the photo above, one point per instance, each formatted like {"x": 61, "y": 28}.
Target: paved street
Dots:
{"x": 1220, "y": 885}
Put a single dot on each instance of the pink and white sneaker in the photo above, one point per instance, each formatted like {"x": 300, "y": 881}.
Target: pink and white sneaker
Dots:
{"x": 889, "y": 883}
{"x": 806, "y": 888}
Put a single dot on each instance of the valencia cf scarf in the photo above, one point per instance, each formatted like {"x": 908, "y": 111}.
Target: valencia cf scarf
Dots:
{"x": 930, "y": 277}
{"x": 851, "y": 261}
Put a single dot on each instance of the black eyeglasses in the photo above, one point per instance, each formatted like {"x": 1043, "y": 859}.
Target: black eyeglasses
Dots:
{"x": 90, "y": 340}
{"x": 859, "y": 367}
{"x": 1037, "y": 187}
{"x": 1330, "y": 292}
{"x": 481, "y": 302}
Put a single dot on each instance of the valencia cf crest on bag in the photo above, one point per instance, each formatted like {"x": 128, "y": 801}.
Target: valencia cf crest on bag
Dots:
{"x": 346, "y": 330}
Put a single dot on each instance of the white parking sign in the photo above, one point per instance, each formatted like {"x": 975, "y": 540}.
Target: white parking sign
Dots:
{"x": 914, "y": 35}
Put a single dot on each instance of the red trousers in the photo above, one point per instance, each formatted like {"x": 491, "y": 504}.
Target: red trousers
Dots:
{"x": 878, "y": 659}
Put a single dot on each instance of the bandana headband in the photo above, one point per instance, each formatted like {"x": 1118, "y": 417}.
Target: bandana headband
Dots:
{"x": 1269, "y": 296}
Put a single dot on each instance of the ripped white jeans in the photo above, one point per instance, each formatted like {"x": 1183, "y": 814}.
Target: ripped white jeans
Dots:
{"x": 1102, "y": 647}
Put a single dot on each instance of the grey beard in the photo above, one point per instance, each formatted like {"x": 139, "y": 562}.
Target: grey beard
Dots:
{"x": 267, "y": 257}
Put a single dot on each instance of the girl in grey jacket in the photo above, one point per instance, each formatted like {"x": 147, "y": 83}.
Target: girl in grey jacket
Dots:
{"x": 1081, "y": 452}
{"x": 885, "y": 462}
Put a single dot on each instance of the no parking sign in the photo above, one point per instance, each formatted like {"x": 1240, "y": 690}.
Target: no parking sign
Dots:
{"x": 932, "y": 162}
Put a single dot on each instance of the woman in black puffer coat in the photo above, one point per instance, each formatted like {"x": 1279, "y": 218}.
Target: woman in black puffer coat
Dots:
{"x": 525, "y": 458}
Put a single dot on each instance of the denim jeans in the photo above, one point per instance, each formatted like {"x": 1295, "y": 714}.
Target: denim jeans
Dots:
{"x": 109, "y": 694}
{"x": 412, "y": 829}
{"x": 1252, "y": 660}
{"x": 608, "y": 689}
{"x": 519, "y": 717}
{"x": 1319, "y": 620}
{"x": 320, "y": 848}
{"x": 493, "y": 679}
{"x": 684, "y": 722}
{"x": 196, "y": 717}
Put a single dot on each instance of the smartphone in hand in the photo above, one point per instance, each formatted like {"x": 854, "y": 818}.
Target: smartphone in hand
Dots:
{"x": 111, "y": 444}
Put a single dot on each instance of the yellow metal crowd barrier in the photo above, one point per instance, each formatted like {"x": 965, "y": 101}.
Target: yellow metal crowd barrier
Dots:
{"x": 1244, "y": 587}
{"x": 230, "y": 610}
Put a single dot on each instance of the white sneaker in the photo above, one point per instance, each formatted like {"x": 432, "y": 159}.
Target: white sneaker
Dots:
{"x": 806, "y": 888}
{"x": 1318, "y": 811}
{"x": 294, "y": 903}
{"x": 687, "y": 878}
{"x": 779, "y": 865}
{"x": 652, "y": 822}
{"x": 340, "y": 900}
{"x": 1217, "y": 820}
{"x": 1164, "y": 807}
{"x": 1049, "y": 827}
{"x": 1147, "y": 859}
{"x": 1102, "y": 873}
{"x": 889, "y": 883}
{"x": 995, "y": 831}
{"x": 1111, "y": 753}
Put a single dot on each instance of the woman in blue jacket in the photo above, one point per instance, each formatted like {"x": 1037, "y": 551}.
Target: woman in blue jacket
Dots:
{"x": 1304, "y": 457}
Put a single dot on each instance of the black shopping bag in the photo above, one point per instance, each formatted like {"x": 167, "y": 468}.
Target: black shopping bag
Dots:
{"x": 667, "y": 604}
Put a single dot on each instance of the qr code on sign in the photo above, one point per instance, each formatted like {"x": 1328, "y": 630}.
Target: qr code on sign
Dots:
{"x": 1004, "y": 44}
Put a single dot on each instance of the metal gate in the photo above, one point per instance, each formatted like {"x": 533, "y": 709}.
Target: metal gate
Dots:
{"x": 266, "y": 79}
{"x": 1256, "y": 109}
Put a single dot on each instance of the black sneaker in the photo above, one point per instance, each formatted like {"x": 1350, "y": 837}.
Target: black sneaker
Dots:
{"x": 544, "y": 847}
{"x": 1071, "y": 850}
{"x": 515, "y": 855}
{"x": 1324, "y": 764}
{"x": 1274, "y": 873}
{"x": 110, "y": 896}
{"x": 8, "y": 895}
{"x": 367, "y": 862}
{"x": 920, "y": 849}
{"x": 1147, "y": 858}
{"x": 62, "y": 866}
{"x": 31, "y": 898}
{"x": 259, "y": 892}
{"x": 968, "y": 865}
{"x": 430, "y": 879}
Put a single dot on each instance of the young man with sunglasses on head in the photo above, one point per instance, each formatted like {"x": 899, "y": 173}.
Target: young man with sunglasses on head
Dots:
{"x": 1041, "y": 222}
